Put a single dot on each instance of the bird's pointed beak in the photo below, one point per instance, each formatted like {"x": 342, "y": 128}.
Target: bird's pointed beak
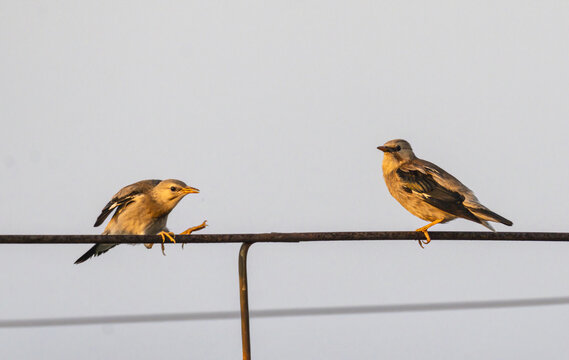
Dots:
{"x": 385, "y": 148}
{"x": 190, "y": 190}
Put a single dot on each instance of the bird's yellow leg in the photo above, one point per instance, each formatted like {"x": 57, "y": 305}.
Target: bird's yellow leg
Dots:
{"x": 424, "y": 231}
{"x": 164, "y": 235}
{"x": 194, "y": 228}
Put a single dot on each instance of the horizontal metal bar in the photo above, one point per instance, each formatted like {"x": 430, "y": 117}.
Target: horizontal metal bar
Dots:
{"x": 271, "y": 313}
{"x": 286, "y": 237}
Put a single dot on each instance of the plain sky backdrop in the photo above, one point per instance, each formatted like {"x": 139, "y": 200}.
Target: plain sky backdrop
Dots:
{"x": 274, "y": 110}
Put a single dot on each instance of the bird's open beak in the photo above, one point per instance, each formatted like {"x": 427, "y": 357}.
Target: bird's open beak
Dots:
{"x": 386, "y": 148}
{"x": 190, "y": 190}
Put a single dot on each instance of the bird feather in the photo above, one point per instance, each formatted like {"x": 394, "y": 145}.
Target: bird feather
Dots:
{"x": 124, "y": 197}
{"x": 433, "y": 193}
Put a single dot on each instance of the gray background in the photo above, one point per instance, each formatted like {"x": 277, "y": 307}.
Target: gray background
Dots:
{"x": 274, "y": 110}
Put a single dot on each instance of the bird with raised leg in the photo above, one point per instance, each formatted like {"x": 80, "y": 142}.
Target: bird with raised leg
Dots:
{"x": 142, "y": 208}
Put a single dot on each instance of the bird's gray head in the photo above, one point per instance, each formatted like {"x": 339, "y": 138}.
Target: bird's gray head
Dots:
{"x": 397, "y": 151}
{"x": 169, "y": 192}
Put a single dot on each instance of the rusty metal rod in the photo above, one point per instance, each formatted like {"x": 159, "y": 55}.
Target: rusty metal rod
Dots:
{"x": 244, "y": 299}
{"x": 286, "y": 237}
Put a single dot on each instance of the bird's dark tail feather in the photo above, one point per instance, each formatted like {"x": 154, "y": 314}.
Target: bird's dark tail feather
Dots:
{"x": 490, "y": 215}
{"x": 96, "y": 250}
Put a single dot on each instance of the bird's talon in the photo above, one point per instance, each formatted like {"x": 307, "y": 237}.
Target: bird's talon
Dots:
{"x": 164, "y": 235}
{"x": 424, "y": 241}
{"x": 424, "y": 231}
{"x": 169, "y": 235}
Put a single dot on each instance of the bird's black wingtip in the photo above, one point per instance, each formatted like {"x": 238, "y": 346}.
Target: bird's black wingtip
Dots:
{"x": 82, "y": 259}
{"x": 491, "y": 216}
{"x": 96, "y": 250}
{"x": 100, "y": 219}
{"x": 89, "y": 254}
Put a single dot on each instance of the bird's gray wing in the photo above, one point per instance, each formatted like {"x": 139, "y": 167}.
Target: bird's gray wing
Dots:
{"x": 442, "y": 177}
{"x": 423, "y": 184}
{"x": 450, "y": 182}
{"x": 124, "y": 197}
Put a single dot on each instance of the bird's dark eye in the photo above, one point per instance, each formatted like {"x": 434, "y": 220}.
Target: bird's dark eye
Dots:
{"x": 173, "y": 188}
{"x": 397, "y": 148}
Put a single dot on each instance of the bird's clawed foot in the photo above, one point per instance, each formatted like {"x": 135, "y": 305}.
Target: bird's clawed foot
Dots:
{"x": 194, "y": 228}
{"x": 421, "y": 241}
{"x": 424, "y": 231}
{"x": 170, "y": 235}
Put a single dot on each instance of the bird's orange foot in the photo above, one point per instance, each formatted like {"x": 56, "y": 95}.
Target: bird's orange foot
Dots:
{"x": 421, "y": 241}
{"x": 164, "y": 235}
{"x": 149, "y": 246}
{"x": 194, "y": 228}
{"x": 424, "y": 231}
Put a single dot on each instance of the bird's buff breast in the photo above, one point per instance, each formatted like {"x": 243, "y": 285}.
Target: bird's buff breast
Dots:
{"x": 136, "y": 223}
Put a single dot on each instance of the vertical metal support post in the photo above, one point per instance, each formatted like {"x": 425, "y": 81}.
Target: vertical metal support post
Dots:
{"x": 243, "y": 296}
